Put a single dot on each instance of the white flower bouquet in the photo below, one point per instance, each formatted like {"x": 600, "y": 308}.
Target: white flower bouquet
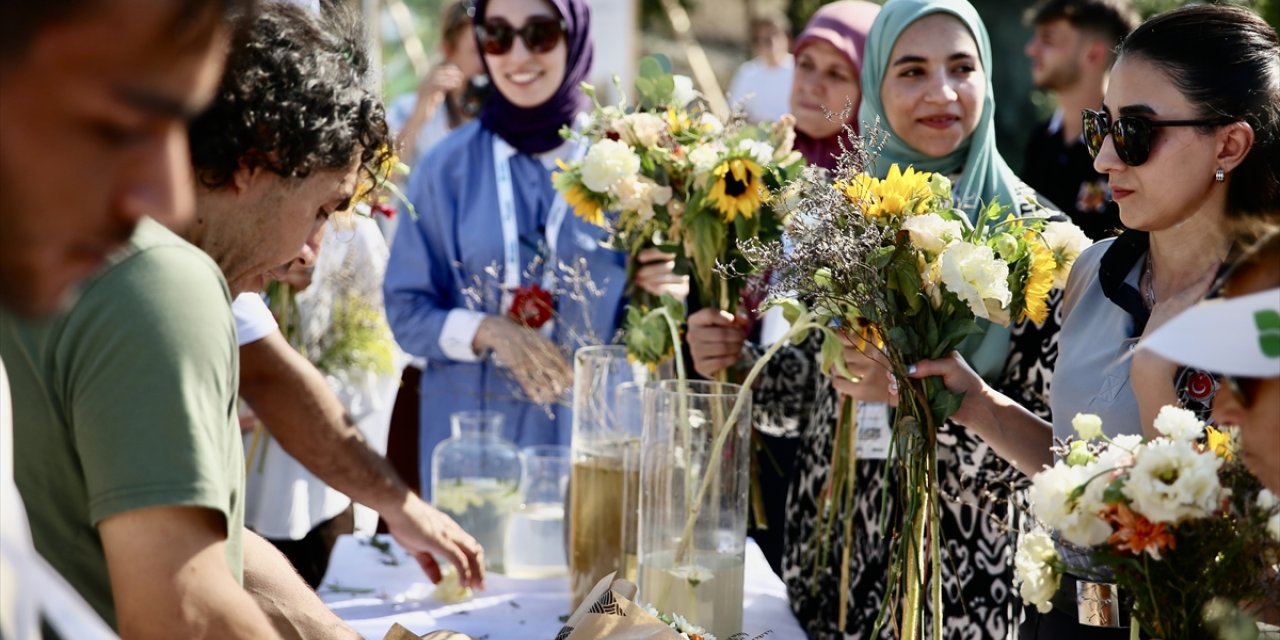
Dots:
{"x": 677, "y": 178}
{"x": 1186, "y": 531}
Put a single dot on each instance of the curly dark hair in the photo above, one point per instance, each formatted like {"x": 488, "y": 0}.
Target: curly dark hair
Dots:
{"x": 295, "y": 99}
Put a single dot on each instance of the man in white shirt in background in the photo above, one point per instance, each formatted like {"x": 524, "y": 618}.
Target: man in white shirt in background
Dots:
{"x": 762, "y": 85}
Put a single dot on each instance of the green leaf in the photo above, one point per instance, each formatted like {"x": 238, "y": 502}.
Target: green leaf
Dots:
{"x": 943, "y": 404}
{"x": 1114, "y": 493}
{"x": 792, "y": 309}
{"x": 833, "y": 354}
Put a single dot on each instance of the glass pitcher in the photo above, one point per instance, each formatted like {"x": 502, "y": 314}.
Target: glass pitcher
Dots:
{"x": 475, "y": 479}
{"x": 535, "y": 535}
{"x": 596, "y": 488}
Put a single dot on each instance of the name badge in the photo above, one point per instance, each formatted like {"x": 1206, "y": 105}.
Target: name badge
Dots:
{"x": 873, "y": 431}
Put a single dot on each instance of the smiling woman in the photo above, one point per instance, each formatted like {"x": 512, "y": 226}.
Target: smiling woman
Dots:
{"x": 491, "y": 229}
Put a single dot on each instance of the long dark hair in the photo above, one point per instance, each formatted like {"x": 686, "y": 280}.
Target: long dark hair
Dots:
{"x": 1225, "y": 61}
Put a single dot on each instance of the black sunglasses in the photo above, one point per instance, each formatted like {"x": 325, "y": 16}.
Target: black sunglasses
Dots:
{"x": 1243, "y": 388}
{"x": 539, "y": 33}
{"x": 1131, "y": 134}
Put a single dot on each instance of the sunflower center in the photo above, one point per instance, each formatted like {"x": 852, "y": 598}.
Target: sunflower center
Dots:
{"x": 733, "y": 187}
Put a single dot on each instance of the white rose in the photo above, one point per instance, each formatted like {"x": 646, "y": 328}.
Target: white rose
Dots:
{"x": 639, "y": 194}
{"x": 606, "y": 163}
{"x": 1087, "y": 425}
{"x": 1034, "y": 571}
{"x": 704, "y": 157}
{"x": 1178, "y": 424}
{"x": 1170, "y": 482}
{"x": 684, "y": 93}
{"x": 932, "y": 233}
{"x": 974, "y": 274}
{"x": 643, "y": 129}
{"x": 761, "y": 152}
{"x": 1067, "y": 241}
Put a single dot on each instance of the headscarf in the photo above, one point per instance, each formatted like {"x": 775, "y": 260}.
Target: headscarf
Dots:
{"x": 984, "y": 175}
{"x": 537, "y": 129}
{"x": 843, "y": 25}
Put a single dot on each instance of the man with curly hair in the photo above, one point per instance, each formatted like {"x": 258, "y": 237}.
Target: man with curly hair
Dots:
{"x": 125, "y": 412}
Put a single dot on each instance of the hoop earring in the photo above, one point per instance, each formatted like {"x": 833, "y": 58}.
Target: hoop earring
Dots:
{"x": 1219, "y": 175}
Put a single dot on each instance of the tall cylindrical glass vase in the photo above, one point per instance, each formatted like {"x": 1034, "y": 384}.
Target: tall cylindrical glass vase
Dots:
{"x": 694, "y": 482}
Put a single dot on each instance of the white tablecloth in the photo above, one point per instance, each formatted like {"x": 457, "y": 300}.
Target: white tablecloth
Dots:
{"x": 371, "y": 594}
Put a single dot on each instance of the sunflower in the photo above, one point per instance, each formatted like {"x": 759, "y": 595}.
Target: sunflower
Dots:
{"x": 1039, "y": 281}
{"x": 738, "y": 188}
{"x": 586, "y": 205}
{"x": 899, "y": 193}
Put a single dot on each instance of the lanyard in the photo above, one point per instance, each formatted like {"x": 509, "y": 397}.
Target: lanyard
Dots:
{"x": 511, "y": 267}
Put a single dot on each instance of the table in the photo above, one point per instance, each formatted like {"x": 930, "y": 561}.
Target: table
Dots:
{"x": 370, "y": 593}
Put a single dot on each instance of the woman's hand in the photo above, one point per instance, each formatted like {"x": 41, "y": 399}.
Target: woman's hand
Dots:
{"x": 657, "y": 274}
{"x": 440, "y": 80}
{"x": 715, "y": 340}
{"x": 536, "y": 363}
{"x": 959, "y": 378}
{"x": 868, "y": 366}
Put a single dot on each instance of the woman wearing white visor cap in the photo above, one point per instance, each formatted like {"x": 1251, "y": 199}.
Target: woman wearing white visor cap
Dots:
{"x": 1238, "y": 336}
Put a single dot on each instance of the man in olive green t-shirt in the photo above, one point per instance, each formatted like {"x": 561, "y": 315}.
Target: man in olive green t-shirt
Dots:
{"x": 128, "y": 402}
{"x": 128, "y": 454}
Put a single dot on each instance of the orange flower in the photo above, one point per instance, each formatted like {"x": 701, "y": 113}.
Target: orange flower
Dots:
{"x": 1136, "y": 534}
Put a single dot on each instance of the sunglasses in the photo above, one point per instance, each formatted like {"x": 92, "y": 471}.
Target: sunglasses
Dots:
{"x": 1244, "y": 388}
{"x": 1131, "y": 134}
{"x": 540, "y": 35}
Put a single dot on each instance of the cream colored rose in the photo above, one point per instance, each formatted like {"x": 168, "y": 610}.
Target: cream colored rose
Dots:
{"x": 975, "y": 275}
{"x": 932, "y": 233}
{"x": 606, "y": 163}
{"x": 643, "y": 129}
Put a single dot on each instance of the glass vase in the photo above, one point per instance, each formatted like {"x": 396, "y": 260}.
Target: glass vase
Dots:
{"x": 596, "y": 487}
{"x": 694, "y": 482}
{"x": 475, "y": 479}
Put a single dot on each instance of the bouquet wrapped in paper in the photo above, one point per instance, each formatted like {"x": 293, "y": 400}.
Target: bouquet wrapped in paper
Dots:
{"x": 609, "y": 613}
{"x": 1185, "y": 532}
{"x": 895, "y": 263}
{"x": 675, "y": 177}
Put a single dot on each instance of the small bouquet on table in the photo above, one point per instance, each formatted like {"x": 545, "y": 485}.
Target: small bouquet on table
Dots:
{"x": 894, "y": 263}
{"x": 1175, "y": 524}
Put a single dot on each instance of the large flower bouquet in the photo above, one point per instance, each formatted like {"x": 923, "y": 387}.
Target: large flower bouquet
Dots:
{"x": 681, "y": 180}
{"x": 1187, "y": 533}
{"x": 893, "y": 262}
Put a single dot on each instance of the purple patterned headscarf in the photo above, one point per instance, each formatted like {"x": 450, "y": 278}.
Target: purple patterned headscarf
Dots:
{"x": 537, "y": 129}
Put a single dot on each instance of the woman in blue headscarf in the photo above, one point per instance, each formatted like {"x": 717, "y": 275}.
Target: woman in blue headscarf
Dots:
{"x": 490, "y": 231}
{"x": 926, "y": 84}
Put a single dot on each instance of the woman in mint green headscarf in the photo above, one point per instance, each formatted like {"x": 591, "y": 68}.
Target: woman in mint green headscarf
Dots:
{"x": 925, "y": 83}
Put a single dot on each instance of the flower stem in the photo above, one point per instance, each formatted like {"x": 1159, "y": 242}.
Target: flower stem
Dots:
{"x": 802, "y": 325}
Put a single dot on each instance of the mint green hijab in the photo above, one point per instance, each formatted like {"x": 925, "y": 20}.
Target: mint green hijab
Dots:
{"x": 984, "y": 175}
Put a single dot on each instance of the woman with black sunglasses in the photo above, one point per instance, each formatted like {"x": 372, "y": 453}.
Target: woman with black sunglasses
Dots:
{"x": 491, "y": 236}
{"x": 1188, "y": 136}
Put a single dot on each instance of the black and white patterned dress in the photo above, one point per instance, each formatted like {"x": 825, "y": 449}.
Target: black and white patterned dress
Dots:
{"x": 981, "y": 494}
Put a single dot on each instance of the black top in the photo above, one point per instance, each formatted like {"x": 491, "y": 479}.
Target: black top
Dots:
{"x": 1065, "y": 176}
